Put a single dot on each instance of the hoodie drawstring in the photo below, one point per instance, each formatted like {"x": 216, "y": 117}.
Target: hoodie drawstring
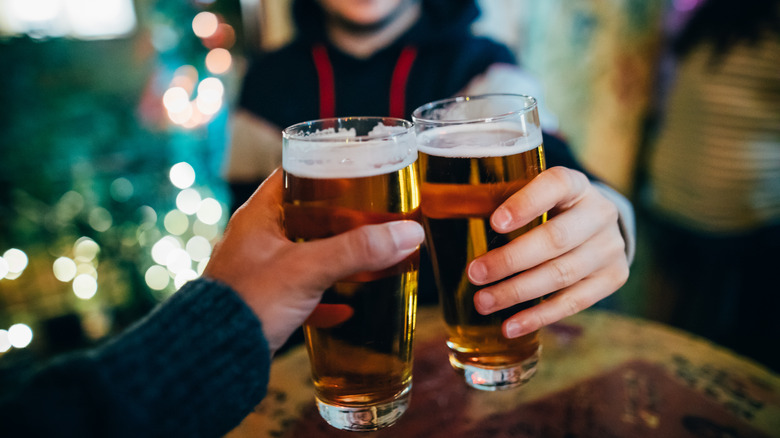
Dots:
{"x": 398, "y": 82}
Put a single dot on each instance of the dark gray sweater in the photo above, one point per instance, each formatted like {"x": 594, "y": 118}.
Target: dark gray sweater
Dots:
{"x": 194, "y": 367}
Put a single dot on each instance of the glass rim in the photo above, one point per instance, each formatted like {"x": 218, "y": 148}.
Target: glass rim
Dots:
{"x": 288, "y": 132}
{"x": 530, "y": 104}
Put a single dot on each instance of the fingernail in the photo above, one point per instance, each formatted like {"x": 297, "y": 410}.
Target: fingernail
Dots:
{"x": 477, "y": 272}
{"x": 501, "y": 218}
{"x": 485, "y": 301}
{"x": 407, "y": 235}
{"x": 513, "y": 329}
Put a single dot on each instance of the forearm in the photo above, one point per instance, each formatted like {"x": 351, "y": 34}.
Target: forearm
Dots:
{"x": 194, "y": 367}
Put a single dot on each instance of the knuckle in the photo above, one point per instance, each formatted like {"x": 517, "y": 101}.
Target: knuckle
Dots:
{"x": 363, "y": 248}
{"x": 541, "y": 320}
{"x": 621, "y": 274}
{"x": 563, "y": 273}
{"x": 558, "y": 235}
{"x": 570, "y": 304}
{"x": 517, "y": 292}
{"x": 509, "y": 260}
{"x": 616, "y": 246}
{"x": 571, "y": 179}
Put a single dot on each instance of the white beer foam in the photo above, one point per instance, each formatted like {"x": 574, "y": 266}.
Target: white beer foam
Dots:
{"x": 478, "y": 140}
{"x": 337, "y": 157}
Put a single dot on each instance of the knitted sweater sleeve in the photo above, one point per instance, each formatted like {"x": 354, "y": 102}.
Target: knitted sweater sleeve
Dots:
{"x": 194, "y": 367}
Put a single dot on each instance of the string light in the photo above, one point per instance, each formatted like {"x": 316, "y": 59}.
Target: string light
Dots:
{"x": 210, "y": 211}
{"x": 188, "y": 201}
{"x": 20, "y": 335}
{"x": 157, "y": 277}
{"x": 5, "y": 341}
{"x": 17, "y": 261}
{"x": 85, "y": 286}
{"x": 205, "y": 24}
{"x": 182, "y": 175}
{"x": 64, "y": 269}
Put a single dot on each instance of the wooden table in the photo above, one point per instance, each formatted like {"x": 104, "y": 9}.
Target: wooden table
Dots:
{"x": 601, "y": 375}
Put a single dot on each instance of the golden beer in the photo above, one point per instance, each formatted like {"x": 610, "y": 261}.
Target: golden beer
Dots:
{"x": 359, "y": 337}
{"x": 467, "y": 170}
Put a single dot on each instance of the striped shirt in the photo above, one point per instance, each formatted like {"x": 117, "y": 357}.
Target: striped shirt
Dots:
{"x": 716, "y": 163}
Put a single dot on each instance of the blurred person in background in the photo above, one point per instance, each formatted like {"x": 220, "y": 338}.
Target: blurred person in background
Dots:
{"x": 714, "y": 179}
{"x": 361, "y": 58}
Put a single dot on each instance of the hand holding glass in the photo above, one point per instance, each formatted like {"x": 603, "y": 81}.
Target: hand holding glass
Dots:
{"x": 340, "y": 174}
{"x": 475, "y": 152}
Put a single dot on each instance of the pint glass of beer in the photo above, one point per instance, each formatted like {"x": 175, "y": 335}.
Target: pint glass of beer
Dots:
{"x": 474, "y": 153}
{"x": 340, "y": 174}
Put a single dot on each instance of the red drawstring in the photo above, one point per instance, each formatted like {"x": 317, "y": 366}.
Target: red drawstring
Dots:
{"x": 326, "y": 81}
{"x": 327, "y": 85}
{"x": 398, "y": 85}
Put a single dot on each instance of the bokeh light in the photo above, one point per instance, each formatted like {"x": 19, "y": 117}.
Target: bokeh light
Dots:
{"x": 96, "y": 324}
{"x": 85, "y": 286}
{"x": 188, "y": 201}
{"x": 35, "y": 10}
{"x": 210, "y": 211}
{"x": 205, "y": 24}
{"x": 207, "y": 107}
{"x": 218, "y": 60}
{"x": 185, "y": 77}
{"x": 147, "y": 214}
{"x": 86, "y": 269}
{"x": 20, "y": 335}
{"x": 70, "y": 204}
{"x": 100, "y": 18}
{"x": 210, "y": 92}
{"x": 121, "y": 189}
{"x": 211, "y": 89}
{"x": 202, "y": 265}
{"x": 3, "y": 268}
{"x": 17, "y": 260}
{"x": 182, "y": 175}
{"x": 157, "y": 277}
{"x": 100, "y": 219}
{"x": 198, "y": 247}
{"x": 176, "y": 100}
{"x": 85, "y": 249}
{"x": 163, "y": 247}
{"x": 183, "y": 277}
{"x": 5, "y": 341}
{"x": 209, "y": 231}
{"x": 178, "y": 261}
{"x": 176, "y": 222}
{"x": 64, "y": 269}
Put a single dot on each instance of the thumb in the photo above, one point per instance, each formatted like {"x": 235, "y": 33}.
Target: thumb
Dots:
{"x": 366, "y": 248}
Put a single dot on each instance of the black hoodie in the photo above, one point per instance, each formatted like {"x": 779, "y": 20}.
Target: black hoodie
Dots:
{"x": 283, "y": 86}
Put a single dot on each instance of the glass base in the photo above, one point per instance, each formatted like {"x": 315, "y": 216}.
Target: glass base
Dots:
{"x": 365, "y": 418}
{"x": 498, "y": 378}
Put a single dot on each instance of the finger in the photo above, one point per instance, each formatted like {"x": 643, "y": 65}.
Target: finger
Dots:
{"x": 566, "y": 302}
{"x": 545, "y": 242}
{"x": 329, "y": 315}
{"x": 555, "y": 187}
{"x": 367, "y": 248}
{"x": 548, "y": 277}
{"x": 259, "y": 217}
{"x": 267, "y": 197}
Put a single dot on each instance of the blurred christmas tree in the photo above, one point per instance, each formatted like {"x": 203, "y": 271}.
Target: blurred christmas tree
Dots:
{"x": 110, "y": 149}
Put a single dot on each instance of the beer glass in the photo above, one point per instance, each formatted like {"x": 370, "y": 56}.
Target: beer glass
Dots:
{"x": 340, "y": 174}
{"x": 474, "y": 153}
